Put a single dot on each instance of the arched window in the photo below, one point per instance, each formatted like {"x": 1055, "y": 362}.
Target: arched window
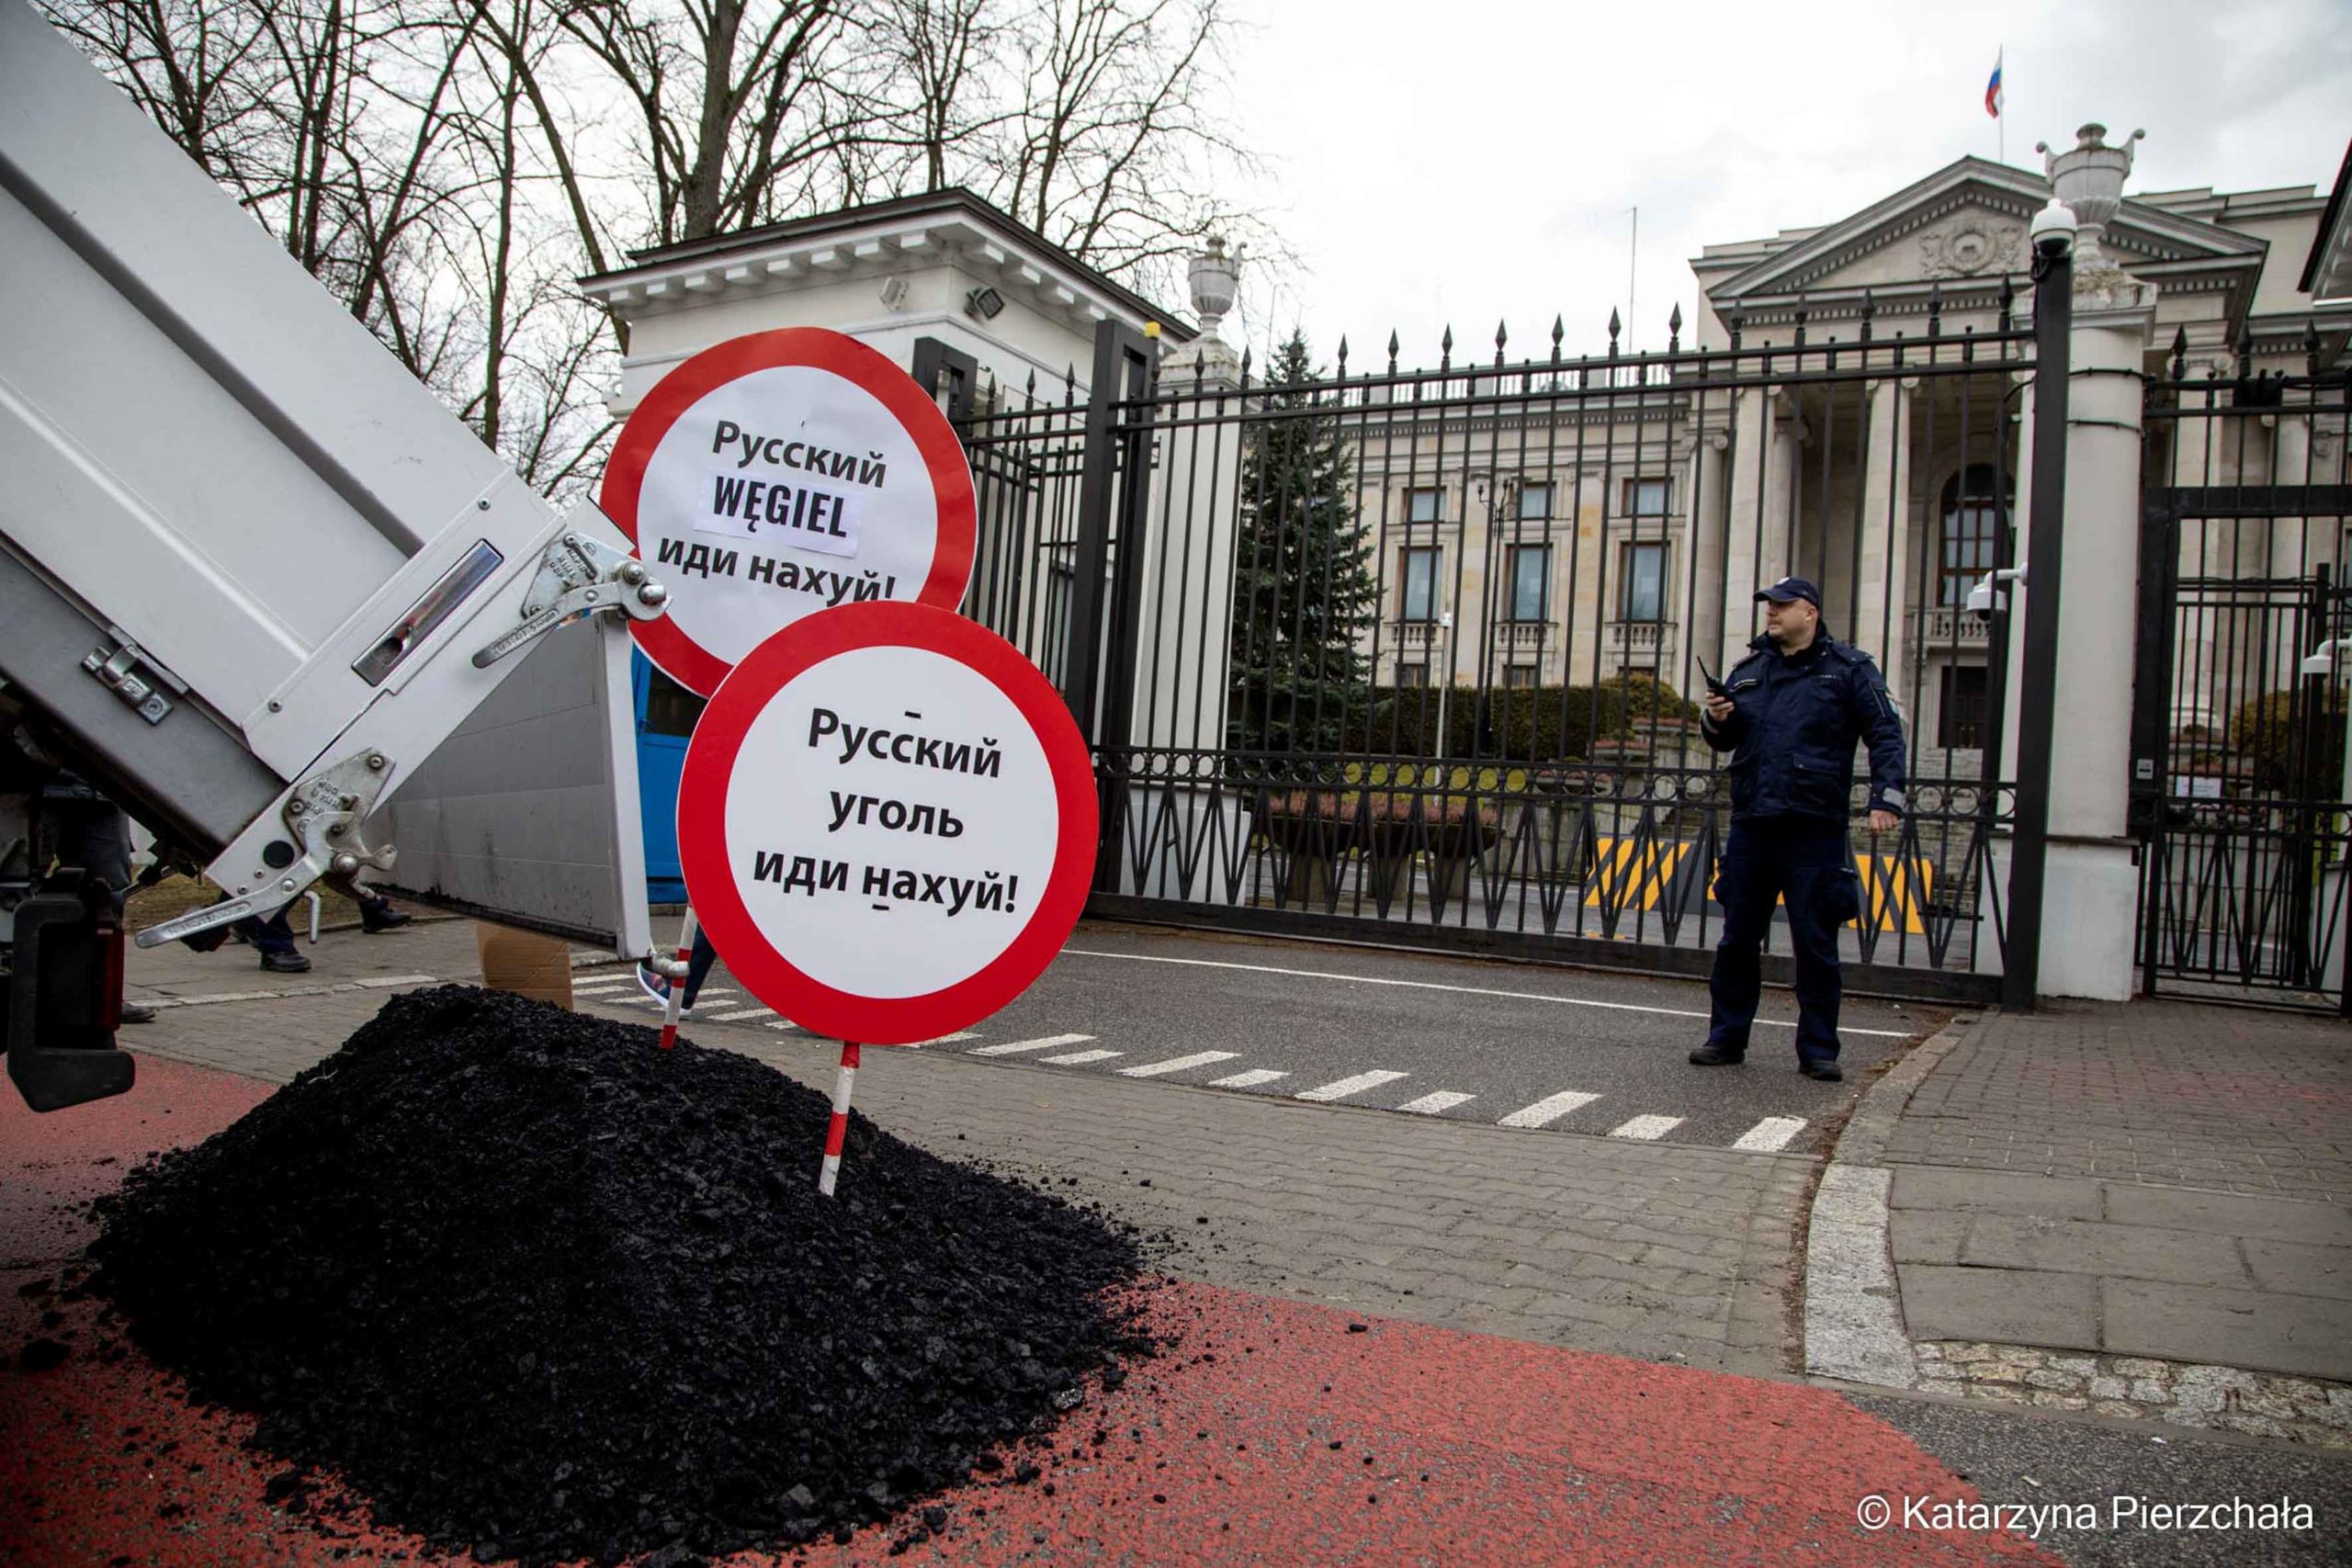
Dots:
{"x": 1970, "y": 532}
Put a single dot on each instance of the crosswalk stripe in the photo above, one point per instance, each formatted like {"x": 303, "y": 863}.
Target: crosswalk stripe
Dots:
{"x": 601, "y": 982}
{"x": 1771, "y": 1133}
{"x": 941, "y": 1040}
{"x": 1250, "y": 1079}
{"x": 1177, "y": 1064}
{"x": 1646, "y": 1127}
{"x": 785, "y": 1024}
{"x": 1342, "y": 1088}
{"x": 1548, "y": 1110}
{"x": 739, "y": 1015}
{"x": 1079, "y": 1058}
{"x": 1430, "y": 1104}
{"x": 1016, "y": 1047}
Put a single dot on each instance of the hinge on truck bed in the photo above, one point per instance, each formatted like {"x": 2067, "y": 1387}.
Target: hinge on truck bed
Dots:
{"x": 128, "y": 671}
{"x": 578, "y": 576}
{"x": 322, "y": 815}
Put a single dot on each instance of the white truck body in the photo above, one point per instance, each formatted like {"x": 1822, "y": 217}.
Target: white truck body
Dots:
{"x": 249, "y": 565}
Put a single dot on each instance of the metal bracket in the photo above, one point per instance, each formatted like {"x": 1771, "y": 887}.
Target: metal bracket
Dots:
{"x": 578, "y": 576}
{"x": 322, "y": 814}
{"x": 117, "y": 668}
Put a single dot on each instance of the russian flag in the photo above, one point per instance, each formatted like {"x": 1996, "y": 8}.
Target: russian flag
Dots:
{"x": 1993, "y": 90}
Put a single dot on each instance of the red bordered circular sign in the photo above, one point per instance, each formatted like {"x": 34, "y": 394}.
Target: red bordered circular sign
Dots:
{"x": 887, "y": 823}
{"x": 778, "y": 474}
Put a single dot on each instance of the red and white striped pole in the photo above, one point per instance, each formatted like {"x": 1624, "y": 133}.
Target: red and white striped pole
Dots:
{"x": 678, "y": 981}
{"x": 837, "y": 1130}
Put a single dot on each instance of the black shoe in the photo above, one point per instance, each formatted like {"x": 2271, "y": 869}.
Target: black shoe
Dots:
{"x": 286, "y": 964}
{"x": 136, "y": 1012}
{"x": 1716, "y": 1056}
{"x": 390, "y": 921}
{"x": 1823, "y": 1067}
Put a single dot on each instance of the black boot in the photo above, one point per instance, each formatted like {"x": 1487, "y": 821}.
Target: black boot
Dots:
{"x": 1711, "y": 1055}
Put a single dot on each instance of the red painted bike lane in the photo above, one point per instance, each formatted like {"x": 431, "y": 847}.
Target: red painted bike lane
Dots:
{"x": 1273, "y": 1432}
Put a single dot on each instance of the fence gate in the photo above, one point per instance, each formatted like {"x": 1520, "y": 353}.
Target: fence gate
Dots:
{"x": 1407, "y": 656}
{"x": 2239, "y": 789}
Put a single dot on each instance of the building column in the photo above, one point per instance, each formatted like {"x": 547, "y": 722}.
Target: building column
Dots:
{"x": 1709, "y": 516}
{"x": 1747, "y": 502}
{"x": 2091, "y": 887}
{"x": 1882, "y": 596}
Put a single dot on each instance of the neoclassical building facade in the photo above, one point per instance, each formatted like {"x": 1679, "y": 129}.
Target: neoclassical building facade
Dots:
{"x": 1622, "y": 523}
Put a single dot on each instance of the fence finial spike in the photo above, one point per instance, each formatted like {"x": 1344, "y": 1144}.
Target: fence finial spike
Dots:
{"x": 1674, "y": 329}
{"x": 1343, "y": 351}
{"x": 2180, "y": 353}
{"x": 1392, "y": 351}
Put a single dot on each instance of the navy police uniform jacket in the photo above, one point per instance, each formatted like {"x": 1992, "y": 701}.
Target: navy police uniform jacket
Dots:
{"x": 1793, "y": 729}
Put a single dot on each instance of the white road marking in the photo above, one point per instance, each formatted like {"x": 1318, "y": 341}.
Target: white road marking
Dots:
{"x": 1177, "y": 1064}
{"x": 1430, "y": 1104}
{"x": 1771, "y": 1133}
{"x": 385, "y": 982}
{"x": 1646, "y": 1127}
{"x": 785, "y": 1025}
{"x": 1342, "y": 1088}
{"x": 1250, "y": 1079}
{"x": 1548, "y": 1110}
{"x": 1079, "y": 1058}
{"x": 737, "y": 1016}
{"x": 941, "y": 1040}
{"x": 1016, "y": 1047}
{"x": 1459, "y": 991}
{"x": 600, "y": 982}
{"x": 217, "y": 996}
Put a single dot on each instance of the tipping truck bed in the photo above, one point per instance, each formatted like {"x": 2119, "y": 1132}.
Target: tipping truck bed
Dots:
{"x": 252, "y": 575}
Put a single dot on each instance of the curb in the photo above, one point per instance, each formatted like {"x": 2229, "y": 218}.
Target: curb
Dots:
{"x": 1852, "y": 1326}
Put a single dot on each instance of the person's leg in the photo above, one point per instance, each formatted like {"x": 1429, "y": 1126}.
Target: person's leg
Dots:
{"x": 1747, "y": 883}
{"x": 275, "y": 938}
{"x": 376, "y": 914}
{"x": 698, "y": 966}
{"x": 1818, "y": 889}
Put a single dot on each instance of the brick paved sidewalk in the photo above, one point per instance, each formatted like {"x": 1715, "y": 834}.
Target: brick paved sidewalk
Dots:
{"x": 1663, "y": 1252}
{"x": 2141, "y": 1210}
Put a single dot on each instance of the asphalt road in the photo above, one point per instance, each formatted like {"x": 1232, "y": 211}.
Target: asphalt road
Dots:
{"x": 1557, "y": 1050}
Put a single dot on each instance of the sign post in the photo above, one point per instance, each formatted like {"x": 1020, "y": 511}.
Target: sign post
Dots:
{"x": 887, "y": 822}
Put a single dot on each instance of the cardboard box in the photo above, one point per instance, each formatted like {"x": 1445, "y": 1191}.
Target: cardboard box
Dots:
{"x": 524, "y": 962}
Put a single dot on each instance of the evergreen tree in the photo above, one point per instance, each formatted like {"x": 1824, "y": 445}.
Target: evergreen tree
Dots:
{"x": 1304, "y": 592}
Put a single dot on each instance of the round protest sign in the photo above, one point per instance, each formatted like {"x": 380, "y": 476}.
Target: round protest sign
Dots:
{"x": 887, "y": 822}
{"x": 782, "y": 473}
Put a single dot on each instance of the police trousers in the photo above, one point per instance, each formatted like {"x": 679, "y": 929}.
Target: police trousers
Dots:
{"x": 1804, "y": 860}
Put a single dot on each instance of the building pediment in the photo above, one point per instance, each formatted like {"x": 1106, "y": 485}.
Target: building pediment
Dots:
{"x": 1969, "y": 220}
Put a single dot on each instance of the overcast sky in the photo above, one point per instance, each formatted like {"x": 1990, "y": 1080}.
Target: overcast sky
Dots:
{"x": 1461, "y": 161}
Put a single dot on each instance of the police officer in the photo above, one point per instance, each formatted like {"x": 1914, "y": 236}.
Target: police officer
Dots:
{"x": 1790, "y": 715}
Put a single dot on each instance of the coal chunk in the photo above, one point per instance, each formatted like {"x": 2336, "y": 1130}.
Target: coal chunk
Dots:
{"x": 519, "y": 1276}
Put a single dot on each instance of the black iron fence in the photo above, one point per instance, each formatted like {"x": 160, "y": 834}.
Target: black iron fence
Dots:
{"x": 1410, "y": 656}
{"x": 2240, "y": 792}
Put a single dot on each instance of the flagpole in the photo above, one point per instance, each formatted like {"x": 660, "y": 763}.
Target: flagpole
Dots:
{"x": 2001, "y": 118}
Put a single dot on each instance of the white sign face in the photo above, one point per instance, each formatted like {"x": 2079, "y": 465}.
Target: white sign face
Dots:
{"x": 781, "y": 474}
{"x": 817, "y": 779}
{"x": 887, "y": 823}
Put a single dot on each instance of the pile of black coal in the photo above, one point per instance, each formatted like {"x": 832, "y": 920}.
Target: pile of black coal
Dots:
{"x": 531, "y": 1286}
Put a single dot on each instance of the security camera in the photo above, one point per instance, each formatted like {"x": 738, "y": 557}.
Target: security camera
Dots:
{"x": 2052, "y": 231}
{"x": 1985, "y": 600}
{"x": 894, "y": 293}
{"x": 984, "y": 302}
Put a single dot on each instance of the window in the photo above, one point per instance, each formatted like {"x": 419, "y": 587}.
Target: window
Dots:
{"x": 1641, "y": 584}
{"x": 1517, "y": 676}
{"x": 1645, "y": 498}
{"x": 670, "y": 708}
{"x": 1424, "y": 505}
{"x": 1419, "y": 579}
{"x": 1413, "y": 676}
{"x": 1535, "y": 503}
{"x": 1531, "y": 581}
{"x": 1961, "y": 712}
{"x": 1970, "y": 532}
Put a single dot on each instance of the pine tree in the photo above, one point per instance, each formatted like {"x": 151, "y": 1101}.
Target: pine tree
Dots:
{"x": 1304, "y": 592}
